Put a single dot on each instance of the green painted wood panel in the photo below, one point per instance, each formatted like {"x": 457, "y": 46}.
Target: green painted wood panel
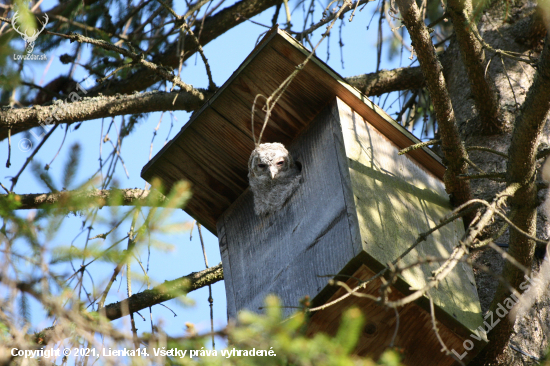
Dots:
{"x": 396, "y": 200}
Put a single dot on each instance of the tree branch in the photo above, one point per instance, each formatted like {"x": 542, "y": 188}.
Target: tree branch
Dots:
{"x": 452, "y": 146}
{"x": 528, "y": 129}
{"x": 213, "y": 27}
{"x": 98, "y": 107}
{"x": 164, "y": 292}
{"x": 85, "y": 109}
{"x": 385, "y": 81}
{"x": 473, "y": 57}
{"x": 126, "y": 197}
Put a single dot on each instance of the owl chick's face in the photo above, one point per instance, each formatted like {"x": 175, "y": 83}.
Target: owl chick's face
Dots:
{"x": 269, "y": 161}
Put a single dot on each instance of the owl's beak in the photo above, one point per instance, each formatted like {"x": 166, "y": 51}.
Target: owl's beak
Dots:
{"x": 273, "y": 171}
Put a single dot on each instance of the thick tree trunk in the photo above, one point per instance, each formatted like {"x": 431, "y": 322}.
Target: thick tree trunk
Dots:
{"x": 518, "y": 30}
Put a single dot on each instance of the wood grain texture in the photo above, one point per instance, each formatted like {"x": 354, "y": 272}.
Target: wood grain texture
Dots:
{"x": 360, "y": 204}
{"x": 343, "y": 167}
{"x": 329, "y": 79}
{"x": 287, "y": 252}
{"x": 396, "y": 200}
{"x": 228, "y": 279}
{"x": 415, "y": 336}
{"x": 212, "y": 149}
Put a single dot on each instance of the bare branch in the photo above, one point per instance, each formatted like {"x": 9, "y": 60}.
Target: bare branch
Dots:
{"x": 418, "y": 146}
{"x": 127, "y": 197}
{"x": 98, "y": 107}
{"x": 528, "y": 129}
{"x": 486, "y": 149}
{"x": 452, "y": 145}
{"x": 136, "y": 58}
{"x": 497, "y": 176}
{"x": 212, "y": 27}
{"x": 109, "y": 106}
{"x": 385, "y": 81}
{"x": 473, "y": 56}
{"x": 164, "y": 292}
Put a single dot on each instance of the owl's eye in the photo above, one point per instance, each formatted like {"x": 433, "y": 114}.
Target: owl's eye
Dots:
{"x": 261, "y": 166}
{"x": 280, "y": 163}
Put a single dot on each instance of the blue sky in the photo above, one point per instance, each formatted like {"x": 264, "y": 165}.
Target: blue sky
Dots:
{"x": 225, "y": 54}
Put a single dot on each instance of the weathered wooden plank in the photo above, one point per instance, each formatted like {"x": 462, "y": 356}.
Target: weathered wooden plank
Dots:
{"x": 293, "y": 111}
{"x": 167, "y": 173}
{"x": 236, "y": 105}
{"x": 282, "y": 125}
{"x": 287, "y": 251}
{"x": 415, "y": 335}
{"x": 226, "y": 262}
{"x": 303, "y": 96}
{"x": 286, "y": 46}
{"x": 343, "y": 167}
{"x": 205, "y": 184}
{"x": 396, "y": 200}
{"x": 223, "y": 135}
{"x": 238, "y": 110}
{"x": 262, "y": 72}
{"x": 224, "y": 163}
{"x": 300, "y": 103}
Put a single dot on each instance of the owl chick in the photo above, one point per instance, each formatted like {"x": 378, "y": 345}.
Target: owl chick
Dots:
{"x": 273, "y": 176}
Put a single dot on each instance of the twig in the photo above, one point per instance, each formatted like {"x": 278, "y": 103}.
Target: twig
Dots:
{"x": 8, "y": 162}
{"x": 394, "y": 29}
{"x": 131, "y": 245}
{"x": 509, "y": 222}
{"x": 493, "y": 239}
{"x": 210, "y": 298}
{"x": 473, "y": 165}
{"x": 353, "y": 292}
{"x": 438, "y": 20}
{"x": 273, "y": 99}
{"x": 509, "y": 258}
{"x": 406, "y": 106}
{"x": 394, "y": 337}
{"x": 418, "y": 146}
{"x": 513, "y": 55}
{"x": 517, "y": 105}
{"x": 137, "y": 58}
{"x": 324, "y": 21}
{"x": 524, "y": 353}
{"x": 422, "y": 237}
{"x": 181, "y": 23}
{"x": 211, "y": 85}
{"x": 486, "y": 149}
{"x": 436, "y": 331}
{"x": 29, "y": 159}
{"x": 5, "y": 189}
{"x": 462, "y": 248}
{"x": 498, "y": 176}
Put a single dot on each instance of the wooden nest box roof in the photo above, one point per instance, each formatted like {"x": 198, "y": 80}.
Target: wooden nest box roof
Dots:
{"x": 211, "y": 151}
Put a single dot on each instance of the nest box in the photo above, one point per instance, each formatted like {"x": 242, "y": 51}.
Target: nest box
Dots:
{"x": 359, "y": 207}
